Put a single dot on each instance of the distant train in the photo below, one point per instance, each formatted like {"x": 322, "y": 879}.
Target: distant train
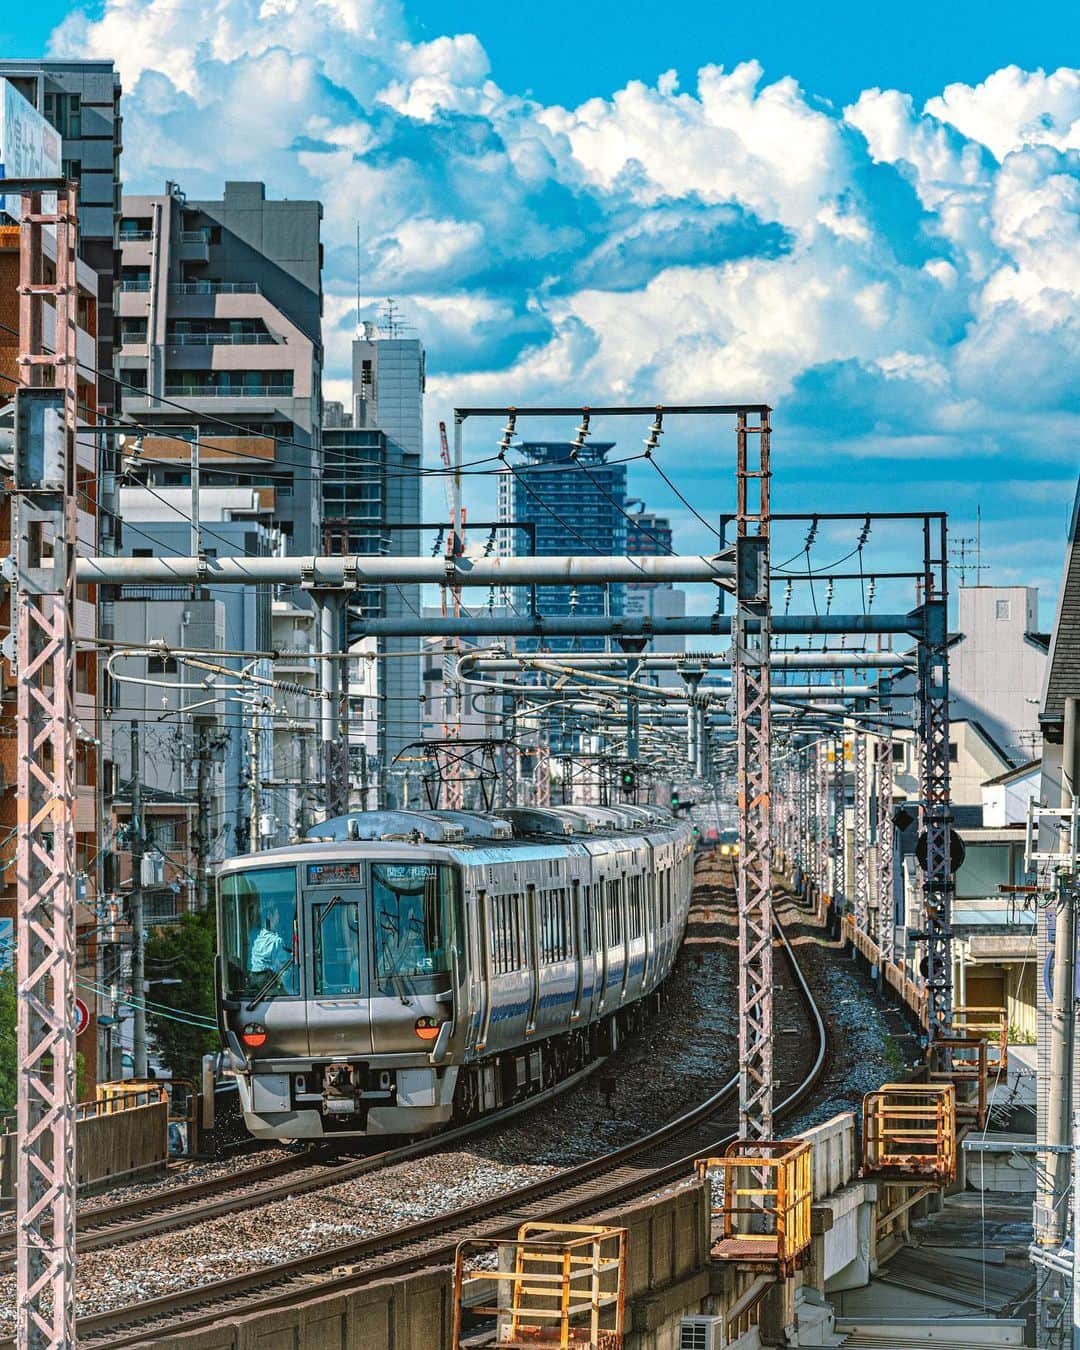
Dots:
{"x": 400, "y": 970}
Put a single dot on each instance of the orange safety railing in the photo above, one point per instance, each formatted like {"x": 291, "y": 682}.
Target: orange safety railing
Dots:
{"x": 990, "y": 1023}
{"x": 765, "y": 1194}
{"x": 909, "y": 1133}
{"x": 962, "y": 1061}
{"x": 556, "y": 1285}
{"x": 897, "y": 978}
{"x": 110, "y": 1100}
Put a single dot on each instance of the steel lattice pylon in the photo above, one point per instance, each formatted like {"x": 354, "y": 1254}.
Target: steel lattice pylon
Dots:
{"x": 822, "y": 814}
{"x": 861, "y": 888}
{"x": 509, "y": 771}
{"x": 883, "y": 762}
{"x": 45, "y": 528}
{"x": 839, "y": 842}
{"x": 800, "y": 811}
{"x": 935, "y": 807}
{"x": 751, "y": 637}
{"x": 542, "y": 772}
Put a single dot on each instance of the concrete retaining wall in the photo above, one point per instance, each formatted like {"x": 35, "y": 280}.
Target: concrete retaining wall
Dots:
{"x": 667, "y": 1271}
{"x": 127, "y": 1143}
{"x": 109, "y": 1145}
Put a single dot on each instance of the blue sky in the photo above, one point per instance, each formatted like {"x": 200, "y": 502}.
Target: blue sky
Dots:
{"x": 867, "y": 216}
{"x": 834, "y": 49}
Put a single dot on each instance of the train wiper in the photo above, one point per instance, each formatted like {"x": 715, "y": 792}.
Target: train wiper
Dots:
{"x": 274, "y": 974}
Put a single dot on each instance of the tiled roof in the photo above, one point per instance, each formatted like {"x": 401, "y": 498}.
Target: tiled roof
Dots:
{"x": 1063, "y": 667}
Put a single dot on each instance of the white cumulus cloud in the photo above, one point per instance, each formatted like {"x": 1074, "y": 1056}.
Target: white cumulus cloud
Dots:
{"x": 896, "y": 279}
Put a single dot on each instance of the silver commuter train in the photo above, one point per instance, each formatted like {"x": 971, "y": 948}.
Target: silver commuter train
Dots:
{"x": 400, "y": 970}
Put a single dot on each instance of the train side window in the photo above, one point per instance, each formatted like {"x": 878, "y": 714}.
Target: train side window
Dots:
{"x": 478, "y": 927}
{"x": 494, "y": 928}
{"x": 545, "y": 926}
{"x": 501, "y": 934}
{"x": 521, "y": 946}
{"x": 614, "y": 913}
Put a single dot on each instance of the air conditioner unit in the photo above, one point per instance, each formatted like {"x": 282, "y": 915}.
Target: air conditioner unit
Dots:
{"x": 701, "y": 1333}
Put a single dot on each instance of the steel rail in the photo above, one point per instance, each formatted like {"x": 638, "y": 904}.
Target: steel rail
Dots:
{"x": 172, "y": 1208}
{"x": 614, "y": 1177}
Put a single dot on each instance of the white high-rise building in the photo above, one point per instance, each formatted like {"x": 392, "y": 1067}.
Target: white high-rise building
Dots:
{"x": 388, "y": 396}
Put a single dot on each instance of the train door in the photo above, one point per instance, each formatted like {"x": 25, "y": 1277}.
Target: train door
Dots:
{"x": 623, "y": 900}
{"x": 648, "y": 919}
{"x": 578, "y": 947}
{"x": 616, "y": 935}
{"x": 339, "y": 1009}
{"x": 535, "y": 954}
{"x": 481, "y": 965}
{"x": 602, "y": 930}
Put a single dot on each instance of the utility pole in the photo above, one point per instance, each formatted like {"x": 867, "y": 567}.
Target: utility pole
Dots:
{"x": 254, "y": 775}
{"x": 200, "y": 838}
{"x": 1062, "y": 1018}
{"x": 138, "y": 950}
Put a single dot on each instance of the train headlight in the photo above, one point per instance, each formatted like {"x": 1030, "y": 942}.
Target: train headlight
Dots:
{"x": 253, "y": 1035}
{"x": 725, "y": 849}
{"x": 427, "y": 1028}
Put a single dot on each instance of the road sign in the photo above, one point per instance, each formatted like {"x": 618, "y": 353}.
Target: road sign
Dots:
{"x": 82, "y": 1017}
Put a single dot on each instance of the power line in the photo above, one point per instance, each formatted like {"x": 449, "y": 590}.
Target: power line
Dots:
{"x": 652, "y": 460}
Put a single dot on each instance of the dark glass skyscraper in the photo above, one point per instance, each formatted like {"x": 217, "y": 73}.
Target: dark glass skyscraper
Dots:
{"x": 575, "y": 505}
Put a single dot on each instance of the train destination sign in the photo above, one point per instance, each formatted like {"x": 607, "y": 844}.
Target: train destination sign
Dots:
{"x": 333, "y": 874}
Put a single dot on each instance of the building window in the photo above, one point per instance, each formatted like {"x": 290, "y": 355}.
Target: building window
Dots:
{"x": 898, "y": 752}
{"x": 64, "y": 111}
{"x": 161, "y": 665}
{"x": 954, "y": 752}
{"x": 1004, "y": 608}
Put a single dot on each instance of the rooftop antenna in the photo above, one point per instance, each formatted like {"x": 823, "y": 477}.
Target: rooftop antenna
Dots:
{"x": 391, "y": 319}
{"x": 965, "y": 547}
{"x": 359, "y": 328}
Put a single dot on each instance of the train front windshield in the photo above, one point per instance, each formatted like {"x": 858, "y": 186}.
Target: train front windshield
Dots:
{"x": 404, "y": 926}
{"x": 412, "y": 906}
{"x": 259, "y": 932}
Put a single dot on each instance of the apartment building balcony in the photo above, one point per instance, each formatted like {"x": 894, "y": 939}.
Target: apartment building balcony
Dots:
{"x": 225, "y": 340}
{"x": 212, "y": 449}
{"x": 136, "y": 248}
{"x": 133, "y": 300}
{"x": 301, "y": 660}
{"x": 195, "y": 246}
{"x": 279, "y": 389}
{"x": 188, "y": 362}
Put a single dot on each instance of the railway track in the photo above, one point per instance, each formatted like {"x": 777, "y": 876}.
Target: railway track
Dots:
{"x": 283, "y": 1178}
{"x": 637, "y": 1168}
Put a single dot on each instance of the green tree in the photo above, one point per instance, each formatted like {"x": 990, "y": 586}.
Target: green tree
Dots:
{"x": 8, "y": 1059}
{"x": 183, "y": 952}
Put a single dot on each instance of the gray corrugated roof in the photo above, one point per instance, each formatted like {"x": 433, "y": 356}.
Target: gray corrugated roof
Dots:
{"x": 1063, "y": 667}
